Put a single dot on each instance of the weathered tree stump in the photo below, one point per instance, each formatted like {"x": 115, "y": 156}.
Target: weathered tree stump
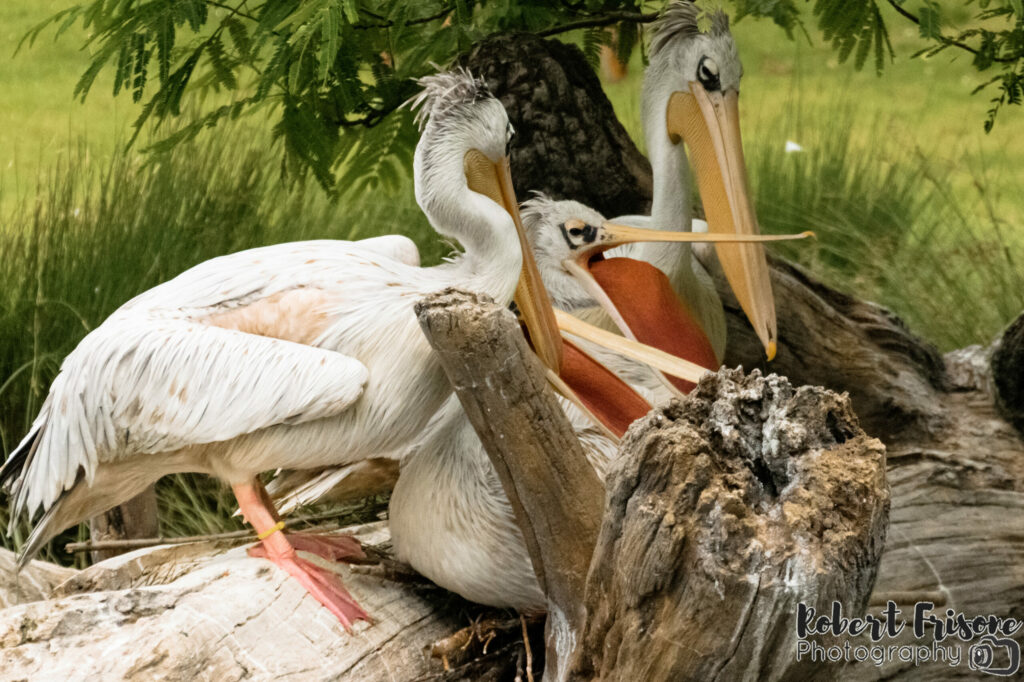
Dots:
{"x": 724, "y": 511}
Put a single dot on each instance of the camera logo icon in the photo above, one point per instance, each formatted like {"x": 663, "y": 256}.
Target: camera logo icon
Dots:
{"x": 986, "y": 656}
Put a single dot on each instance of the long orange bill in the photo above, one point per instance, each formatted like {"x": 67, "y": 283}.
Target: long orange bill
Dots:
{"x": 641, "y": 300}
{"x": 494, "y": 180}
{"x": 708, "y": 123}
{"x": 597, "y": 391}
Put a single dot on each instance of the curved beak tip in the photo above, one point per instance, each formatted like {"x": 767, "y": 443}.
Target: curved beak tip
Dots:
{"x": 770, "y": 351}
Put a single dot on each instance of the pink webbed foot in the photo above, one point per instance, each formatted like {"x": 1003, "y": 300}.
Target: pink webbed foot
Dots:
{"x": 329, "y": 547}
{"x": 325, "y": 586}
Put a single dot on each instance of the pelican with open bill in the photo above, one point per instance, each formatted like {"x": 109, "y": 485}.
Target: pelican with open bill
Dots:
{"x": 661, "y": 331}
{"x": 691, "y": 104}
{"x": 591, "y": 386}
{"x": 639, "y": 297}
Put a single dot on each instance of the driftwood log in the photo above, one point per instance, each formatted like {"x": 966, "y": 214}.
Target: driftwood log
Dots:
{"x": 208, "y": 611}
{"x": 724, "y": 512}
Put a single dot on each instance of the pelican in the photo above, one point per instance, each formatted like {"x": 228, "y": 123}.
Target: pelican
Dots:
{"x": 690, "y": 100}
{"x": 296, "y": 355}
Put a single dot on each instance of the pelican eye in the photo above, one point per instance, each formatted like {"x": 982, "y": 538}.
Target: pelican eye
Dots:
{"x": 707, "y": 74}
{"x": 576, "y": 233}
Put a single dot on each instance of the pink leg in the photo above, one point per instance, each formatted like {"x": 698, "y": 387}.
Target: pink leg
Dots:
{"x": 324, "y": 585}
{"x": 330, "y": 547}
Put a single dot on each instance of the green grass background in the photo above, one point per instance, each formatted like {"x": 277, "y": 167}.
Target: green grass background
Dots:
{"x": 915, "y": 207}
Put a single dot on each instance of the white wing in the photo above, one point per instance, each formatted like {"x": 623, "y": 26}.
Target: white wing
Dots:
{"x": 394, "y": 246}
{"x": 147, "y": 386}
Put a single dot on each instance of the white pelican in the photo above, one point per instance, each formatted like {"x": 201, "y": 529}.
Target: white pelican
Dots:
{"x": 297, "y": 355}
{"x": 449, "y": 516}
{"x": 690, "y": 100}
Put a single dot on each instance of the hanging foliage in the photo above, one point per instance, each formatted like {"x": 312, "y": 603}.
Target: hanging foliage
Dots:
{"x": 335, "y": 73}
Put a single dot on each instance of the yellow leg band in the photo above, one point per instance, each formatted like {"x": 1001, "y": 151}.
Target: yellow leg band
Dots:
{"x": 270, "y": 531}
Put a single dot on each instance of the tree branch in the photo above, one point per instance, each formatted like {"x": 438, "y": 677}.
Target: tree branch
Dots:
{"x": 370, "y": 119}
{"x": 949, "y": 41}
{"x": 237, "y": 11}
{"x": 248, "y": 534}
{"x": 554, "y": 492}
{"x": 412, "y": 22}
{"x": 604, "y": 20}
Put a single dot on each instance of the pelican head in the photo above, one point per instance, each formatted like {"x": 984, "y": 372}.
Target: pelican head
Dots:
{"x": 569, "y": 240}
{"x": 691, "y": 95}
{"x": 463, "y": 185}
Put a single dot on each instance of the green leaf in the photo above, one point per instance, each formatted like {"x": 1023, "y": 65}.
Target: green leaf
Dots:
{"x": 350, "y": 10}
{"x": 239, "y": 36}
{"x": 931, "y": 22}
{"x": 329, "y": 36}
{"x": 66, "y": 17}
{"x": 223, "y": 71}
{"x": 593, "y": 38}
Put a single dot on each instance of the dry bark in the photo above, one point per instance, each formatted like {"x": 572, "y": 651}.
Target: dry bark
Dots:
{"x": 1007, "y": 372}
{"x": 955, "y": 456}
{"x": 209, "y": 612}
{"x": 725, "y": 511}
{"x": 35, "y": 582}
{"x": 554, "y": 492}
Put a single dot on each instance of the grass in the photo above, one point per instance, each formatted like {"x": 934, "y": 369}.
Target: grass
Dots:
{"x": 891, "y": 229}
{"x": 40, "y": 123}
{"x": 913, "y": 205}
